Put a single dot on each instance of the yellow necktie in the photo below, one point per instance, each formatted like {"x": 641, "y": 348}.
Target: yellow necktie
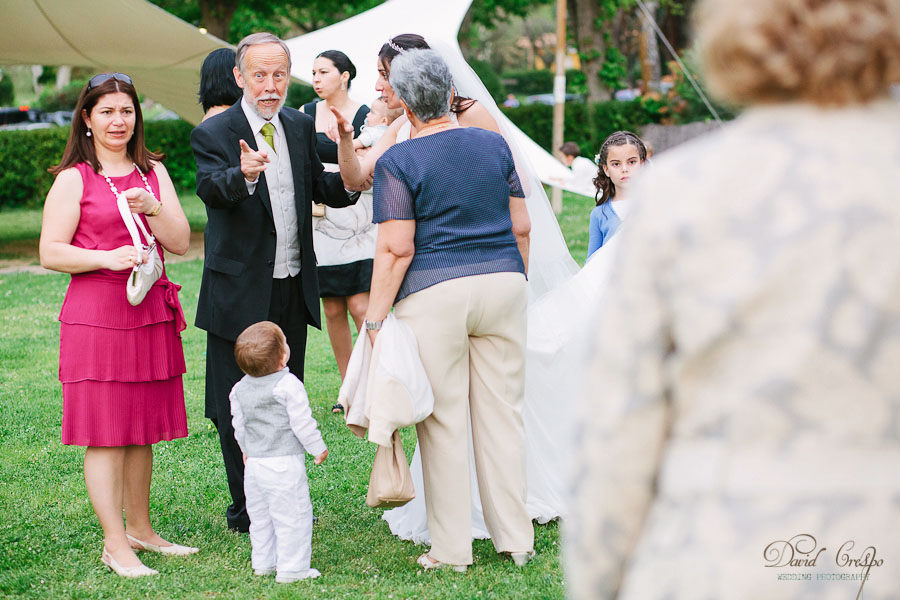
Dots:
{"x": 268, "y": 133}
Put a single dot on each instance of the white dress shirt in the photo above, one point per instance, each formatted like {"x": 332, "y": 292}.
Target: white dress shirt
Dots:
{"x": 280, "y": 183}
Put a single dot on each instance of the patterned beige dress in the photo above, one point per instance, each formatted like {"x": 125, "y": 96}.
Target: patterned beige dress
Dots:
{"x": 740, "y": 436}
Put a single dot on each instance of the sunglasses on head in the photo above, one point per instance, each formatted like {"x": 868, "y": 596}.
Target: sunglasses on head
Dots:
{"x": 104, "y": 77}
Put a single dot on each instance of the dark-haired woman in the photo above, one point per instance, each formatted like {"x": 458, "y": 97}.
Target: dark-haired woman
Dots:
{"x": 464, "y": 111}
{"x": 344, "y": 238}
{"x": 218, "y": 88}
{"x": 120, "y": 365}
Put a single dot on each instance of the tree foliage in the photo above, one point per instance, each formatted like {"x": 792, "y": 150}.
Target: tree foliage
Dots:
{"x": 7, "y": 92}
{"x": 491, "y": 13}
{"x": 231, "y": 20}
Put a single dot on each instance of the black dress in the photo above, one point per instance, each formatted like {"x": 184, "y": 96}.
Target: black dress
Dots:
{"x": 344, "y": 238}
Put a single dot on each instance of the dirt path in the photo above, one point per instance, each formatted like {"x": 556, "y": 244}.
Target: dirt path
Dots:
{"x": 26, "y": 255}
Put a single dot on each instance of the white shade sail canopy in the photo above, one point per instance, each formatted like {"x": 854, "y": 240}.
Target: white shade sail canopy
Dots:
{"x": 163, "y": 54}
{"x": 361, "y": 37}
{"x": 160, "y": 52}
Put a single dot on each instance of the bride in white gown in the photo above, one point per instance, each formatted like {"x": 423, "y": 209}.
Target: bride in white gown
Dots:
{"x": 561, "y": 298}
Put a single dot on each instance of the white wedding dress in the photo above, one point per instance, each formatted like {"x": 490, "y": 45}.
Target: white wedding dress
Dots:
{"x": 561, "y": 298}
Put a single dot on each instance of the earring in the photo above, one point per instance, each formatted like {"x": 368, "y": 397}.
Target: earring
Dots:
{"x": 343, "y": 86}
{"x": 88, "y": 133}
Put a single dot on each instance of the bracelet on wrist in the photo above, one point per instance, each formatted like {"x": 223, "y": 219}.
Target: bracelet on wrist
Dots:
{"x": 156, "y": 211}
{"x": 373, "y": 325}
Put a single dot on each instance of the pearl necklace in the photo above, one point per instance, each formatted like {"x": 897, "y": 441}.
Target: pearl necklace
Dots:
{"x": 115, "y": 191}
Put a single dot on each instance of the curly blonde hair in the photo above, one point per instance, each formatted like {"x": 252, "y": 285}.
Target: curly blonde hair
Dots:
{"x": 826, "y": 52}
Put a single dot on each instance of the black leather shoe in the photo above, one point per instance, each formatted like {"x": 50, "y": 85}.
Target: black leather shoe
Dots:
{"x": 239, "y": 526}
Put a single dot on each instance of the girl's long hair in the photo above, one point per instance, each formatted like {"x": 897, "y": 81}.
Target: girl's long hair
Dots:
{"x": 602, "y": 183}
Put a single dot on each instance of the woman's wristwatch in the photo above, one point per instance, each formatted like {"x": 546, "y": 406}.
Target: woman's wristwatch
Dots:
{"x": 374, "y": 325}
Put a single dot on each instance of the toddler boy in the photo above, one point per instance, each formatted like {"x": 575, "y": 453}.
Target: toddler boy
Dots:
{"x": 273, "y": 425}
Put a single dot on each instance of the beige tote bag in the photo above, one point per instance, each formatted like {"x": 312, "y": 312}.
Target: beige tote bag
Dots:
{"x": 391, "y": 483}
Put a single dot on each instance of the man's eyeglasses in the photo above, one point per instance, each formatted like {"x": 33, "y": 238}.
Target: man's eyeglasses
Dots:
{"x": 104, "y": 77}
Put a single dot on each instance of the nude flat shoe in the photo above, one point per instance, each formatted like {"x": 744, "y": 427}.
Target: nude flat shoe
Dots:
{"x": 427, "y": 563}
{"x": 140, "y": 570}
{"x": 521, "y": 558}
{"x": 173, "y": 550}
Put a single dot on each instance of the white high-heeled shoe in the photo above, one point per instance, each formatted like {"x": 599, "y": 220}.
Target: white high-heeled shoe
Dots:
{"x": 140, "y": 570}
{"x": 173, "y": 550}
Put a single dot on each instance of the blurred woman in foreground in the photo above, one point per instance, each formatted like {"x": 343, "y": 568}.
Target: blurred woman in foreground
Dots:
{"x": 746, "y": 399}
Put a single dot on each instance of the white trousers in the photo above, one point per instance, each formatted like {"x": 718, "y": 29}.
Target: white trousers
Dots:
{"x": 280, "y": 515}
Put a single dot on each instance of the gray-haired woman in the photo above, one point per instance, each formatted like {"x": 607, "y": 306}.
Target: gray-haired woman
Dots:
{"x": 451, "y": 256}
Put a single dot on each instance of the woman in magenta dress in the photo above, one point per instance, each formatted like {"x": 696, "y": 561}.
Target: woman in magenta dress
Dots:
{"x": 120, "y": 365}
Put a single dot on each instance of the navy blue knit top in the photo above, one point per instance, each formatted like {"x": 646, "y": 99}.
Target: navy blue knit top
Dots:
{"x": 456, "y": 184}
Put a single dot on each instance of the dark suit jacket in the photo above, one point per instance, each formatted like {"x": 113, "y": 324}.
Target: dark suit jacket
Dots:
{"x": 240, "y": 231}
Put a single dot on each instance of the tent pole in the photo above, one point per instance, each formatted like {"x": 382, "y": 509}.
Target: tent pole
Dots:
{"x": 559, "y": 95}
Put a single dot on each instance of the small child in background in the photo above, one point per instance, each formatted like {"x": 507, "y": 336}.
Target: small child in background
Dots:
{"x": 621, "y": 157}
{"x": 273, "y": 425}
{"x": 583, "y": 169}
{"x": 380, "y": 116}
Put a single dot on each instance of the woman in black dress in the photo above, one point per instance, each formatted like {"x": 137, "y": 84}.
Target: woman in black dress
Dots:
{"x": 344, "y": 238}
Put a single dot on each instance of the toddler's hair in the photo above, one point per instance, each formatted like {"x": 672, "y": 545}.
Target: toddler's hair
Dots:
{"x": 602, "y": 182}
{"x": 570, "y": 149}
{"x": 259, "y": 349}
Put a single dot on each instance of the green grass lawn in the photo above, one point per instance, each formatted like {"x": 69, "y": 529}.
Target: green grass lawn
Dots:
{"x": 20, "y": 229}
{"x": 50, "y": 540}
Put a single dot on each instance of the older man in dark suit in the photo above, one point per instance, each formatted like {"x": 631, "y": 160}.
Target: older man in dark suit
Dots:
{"x": 258, "y": 174}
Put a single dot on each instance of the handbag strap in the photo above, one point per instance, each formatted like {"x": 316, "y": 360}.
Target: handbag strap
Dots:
{"x": 131, "y": 219}
{"x": 132, "y": 223}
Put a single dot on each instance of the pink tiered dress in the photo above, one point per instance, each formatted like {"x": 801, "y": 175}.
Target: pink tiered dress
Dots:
{"x": 120, "y": 365}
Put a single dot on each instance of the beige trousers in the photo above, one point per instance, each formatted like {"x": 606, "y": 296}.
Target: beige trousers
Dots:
{"x": 471, "y": 336}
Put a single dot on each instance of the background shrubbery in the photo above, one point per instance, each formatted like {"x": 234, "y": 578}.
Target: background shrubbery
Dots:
{"x": 52, "y": 99}
{"x": 585, "y": 124}
{"x": 7, "y": 92}
{"x": 299, "y": 94}
{"x": 532, "y": 81}
{"x": 26, "y": 156}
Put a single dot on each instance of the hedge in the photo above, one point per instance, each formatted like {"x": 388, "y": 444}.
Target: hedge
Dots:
{"x": 585, "y": 124}
{"x": 52, "y": 99}
{"x": 489, "y": 78}
{"x": 529, "y": 82}
{"x": 26, "y": 155}
{"x": 7, "y": 92}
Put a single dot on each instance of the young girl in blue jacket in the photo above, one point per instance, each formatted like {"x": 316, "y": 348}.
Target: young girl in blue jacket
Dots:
{"x": 621, "y": 157}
